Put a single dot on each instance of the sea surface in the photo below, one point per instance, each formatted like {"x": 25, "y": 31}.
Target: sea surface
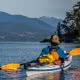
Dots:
{"x": 24, "y": 52}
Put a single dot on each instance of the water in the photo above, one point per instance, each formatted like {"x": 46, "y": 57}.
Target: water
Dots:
{"x": 19, "y": 52}
{"x": 23, "y": 52}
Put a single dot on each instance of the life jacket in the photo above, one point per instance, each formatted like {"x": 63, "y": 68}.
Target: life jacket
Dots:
{"x": 55, "y": 55}
{"x": 49, "y": 58}
{"x": 44, "y": 59}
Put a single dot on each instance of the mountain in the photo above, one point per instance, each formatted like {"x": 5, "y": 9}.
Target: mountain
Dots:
{"x": 50, "y": 20}
{"x": 22, "y": 28}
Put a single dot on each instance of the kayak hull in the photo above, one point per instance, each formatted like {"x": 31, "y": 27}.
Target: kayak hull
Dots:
{"x": 48, "y": 68}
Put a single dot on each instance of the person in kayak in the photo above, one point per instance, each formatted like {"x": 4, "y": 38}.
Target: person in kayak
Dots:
{"x": 54, "y": 41}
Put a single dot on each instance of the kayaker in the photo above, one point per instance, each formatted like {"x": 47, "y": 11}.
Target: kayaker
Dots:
{"x": 54, "y": 41}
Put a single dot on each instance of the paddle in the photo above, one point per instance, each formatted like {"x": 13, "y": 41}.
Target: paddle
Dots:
{"x": 10, "y": 67}
{"x": 16, "y": 66}
{"x": 75, "y": 52}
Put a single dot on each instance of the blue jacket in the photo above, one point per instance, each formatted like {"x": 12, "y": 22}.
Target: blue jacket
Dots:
{"x": 59, "y": 51}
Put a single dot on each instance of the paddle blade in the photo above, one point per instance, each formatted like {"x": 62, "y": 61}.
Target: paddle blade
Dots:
{"x": 75, "y": 52}
{"x": 10, "y": 67}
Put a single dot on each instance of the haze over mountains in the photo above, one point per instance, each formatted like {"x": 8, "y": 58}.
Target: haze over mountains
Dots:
{"x": 22, "y": 28}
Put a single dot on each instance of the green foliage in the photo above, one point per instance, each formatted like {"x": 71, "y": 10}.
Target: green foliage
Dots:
{"x": 72, "y": 19}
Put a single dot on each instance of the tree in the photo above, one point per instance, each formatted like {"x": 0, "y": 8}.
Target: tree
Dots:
{"x": 72, "y": 19}
{"x": 76, "y": 10}
{"x": 58, "y": 29}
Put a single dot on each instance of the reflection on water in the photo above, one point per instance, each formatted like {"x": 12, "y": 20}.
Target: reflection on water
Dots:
{"x": 65, "y": 75}
{"x": 18, "y": 75}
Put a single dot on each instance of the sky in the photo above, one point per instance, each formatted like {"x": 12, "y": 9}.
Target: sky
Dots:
{"x": 37, "y": 8}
